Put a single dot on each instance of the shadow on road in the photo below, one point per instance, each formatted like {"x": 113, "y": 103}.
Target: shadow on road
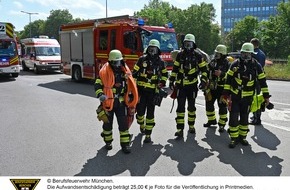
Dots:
{"x": 137, "y": 163}
{"x": 66, "y": 85}
{"x": 6, "y": 79}
{"x": 186, "y": 153}
{"x": 242, "y": 158}
{"x": 31, "y": 73}
{"x": 264, "y": 138}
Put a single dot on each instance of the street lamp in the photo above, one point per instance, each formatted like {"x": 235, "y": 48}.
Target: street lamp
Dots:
{"x": 29, "y": 13}
{"x": 106, "y": 9}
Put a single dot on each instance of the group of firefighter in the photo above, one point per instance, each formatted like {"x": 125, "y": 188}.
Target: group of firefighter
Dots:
{"x": 230, "y": 83}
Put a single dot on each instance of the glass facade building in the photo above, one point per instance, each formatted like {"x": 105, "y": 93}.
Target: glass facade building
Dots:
{"x": 235, "y": 10}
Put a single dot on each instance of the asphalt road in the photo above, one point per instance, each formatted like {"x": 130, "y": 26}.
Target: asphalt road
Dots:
{"x": 49, "y": 128}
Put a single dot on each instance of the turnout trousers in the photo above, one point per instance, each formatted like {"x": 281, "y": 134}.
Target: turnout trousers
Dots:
{"x": 210, "y": 109}
{"x": 146, "y": 106}
{"x": 238, "y": 120}
{"x": 120, "y": 110}
{"x": 186, "y": 93}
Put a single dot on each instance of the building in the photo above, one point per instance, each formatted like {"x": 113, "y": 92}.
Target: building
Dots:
{"x": 235, "y": 10}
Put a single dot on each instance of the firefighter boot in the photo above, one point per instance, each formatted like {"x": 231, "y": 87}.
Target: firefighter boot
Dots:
{"x": 126, "y": 148}
{"x": 221, "y": 128}
{"x": 233, "y": 143}
{"x": 179, "y": 133}
{"x": 243, "y": 140}
{"x": 108, "y": 146}
{"x": 147, "y": 139}
{"x": 210, "y": 123}
{"x": 191, "y": 129}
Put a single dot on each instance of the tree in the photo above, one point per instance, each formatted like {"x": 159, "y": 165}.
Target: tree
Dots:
{"x": 156, "y": 12}
{"x": 37, "y": 28}
{"x": 55, "y": 20}
{"x": 197, "y": 19}
{"x": 276, "y": 38}
{"x": 242, "y": 32}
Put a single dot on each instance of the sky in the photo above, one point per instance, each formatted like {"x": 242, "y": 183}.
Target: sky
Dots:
{"x": 86, "y": 9}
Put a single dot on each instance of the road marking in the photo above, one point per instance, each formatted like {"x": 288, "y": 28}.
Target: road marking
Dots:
{"x": 283, "y": 104}
{"x": 264, "y": 123}
{"x": 277, "y": 126}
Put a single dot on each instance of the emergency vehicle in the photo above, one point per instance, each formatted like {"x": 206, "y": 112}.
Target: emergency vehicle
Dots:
{"x": 9, "y": 60}
{"x": 85, "y": 45}
{"x": 40, "y": 54}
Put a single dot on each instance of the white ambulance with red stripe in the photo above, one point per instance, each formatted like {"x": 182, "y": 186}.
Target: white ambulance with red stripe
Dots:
{"x": 40, "y": 54}
{"x": 9, "y": 60}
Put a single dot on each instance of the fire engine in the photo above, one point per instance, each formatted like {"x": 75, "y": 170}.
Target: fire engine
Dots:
{"x": 9, "y": 60}
{"x": 85, "y": 45}
{"x": 40, "y": 54}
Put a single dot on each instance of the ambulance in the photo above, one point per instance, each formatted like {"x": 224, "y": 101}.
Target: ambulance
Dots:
{"x": 40, "y": 54}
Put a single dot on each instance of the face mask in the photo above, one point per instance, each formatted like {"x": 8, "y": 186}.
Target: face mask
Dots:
{"x": 188, "y": 45}
{"x": 152, "y": 50}
{"x": 246, "y": 56}
{"x": 217, "y": 55}
{"x": 116, "y": 64}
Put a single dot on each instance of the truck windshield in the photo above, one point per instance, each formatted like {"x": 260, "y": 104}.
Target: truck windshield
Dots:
{"x": 167, "y": 40}
{"x": 8, "y": 48}
{"x": 47, "y": 51}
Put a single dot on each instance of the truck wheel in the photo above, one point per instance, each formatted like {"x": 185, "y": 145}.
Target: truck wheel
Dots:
{"x": 77, "y": 75}
{"x": 14, "y": 75}
{"x": 35, "y": 69}
{"x": 24, "y": 67}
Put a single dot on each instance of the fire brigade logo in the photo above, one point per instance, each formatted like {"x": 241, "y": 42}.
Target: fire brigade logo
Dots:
{"x": 25, "y": 184}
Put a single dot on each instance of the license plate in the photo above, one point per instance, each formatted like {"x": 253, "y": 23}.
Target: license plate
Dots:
{"x": 55, "y": 67}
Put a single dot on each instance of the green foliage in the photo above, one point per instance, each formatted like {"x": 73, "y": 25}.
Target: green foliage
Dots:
{"x": 55, "y": 19}
{"x": 273, "y": 33}
{"x": 278, "y": 71}
{"x": 36, "y": 29}
{"x": 242, "y": 32}
{"x": 197, "y": 20}
{"x": 156, "y": 12}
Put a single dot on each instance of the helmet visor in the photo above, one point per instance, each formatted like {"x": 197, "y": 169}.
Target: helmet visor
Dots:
{"x": 152, "y": 50}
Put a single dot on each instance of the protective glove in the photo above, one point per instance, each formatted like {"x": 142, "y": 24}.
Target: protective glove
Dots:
{"x": 224, "y": 99}
{"x": 103, "y": 97}
{"x": 266, "y": 101}
{"x": 171, "y": 85}
{"x": 160, "y": 85}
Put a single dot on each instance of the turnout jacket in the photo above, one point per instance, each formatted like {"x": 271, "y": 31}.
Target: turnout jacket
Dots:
{"x": 149, "y": 72}
{"x": 186, "y": 68}
{"x": 242, "y": 77}
{"x": 217, "y": 64}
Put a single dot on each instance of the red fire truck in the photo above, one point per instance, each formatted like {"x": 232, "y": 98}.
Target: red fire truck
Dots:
{"x": 85, "y": 46}
{"x": 9, "y": 60}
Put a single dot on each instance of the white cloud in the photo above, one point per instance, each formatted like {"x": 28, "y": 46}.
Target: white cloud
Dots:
{"x": 18, "y": 4}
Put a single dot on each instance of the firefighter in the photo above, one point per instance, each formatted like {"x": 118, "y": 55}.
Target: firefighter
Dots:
{"x": 239, "y": 90}
{"x": 112, "y": 87}
{"x": 217, "y": 69}
{"x": 184, "y": 78}
{"x": 151, "y": 75}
